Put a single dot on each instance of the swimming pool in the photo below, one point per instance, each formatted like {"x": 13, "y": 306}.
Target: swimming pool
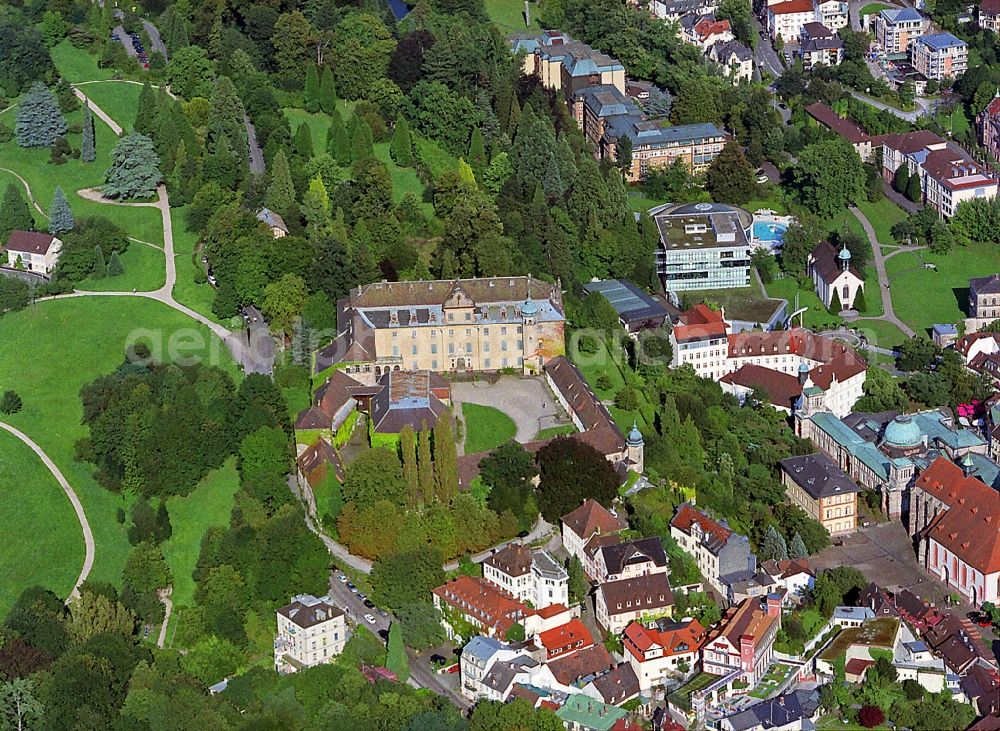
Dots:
{"x": 769, "y": 231}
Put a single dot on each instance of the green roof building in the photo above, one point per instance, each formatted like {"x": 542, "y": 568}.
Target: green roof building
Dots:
{"x": 582, "y": 713}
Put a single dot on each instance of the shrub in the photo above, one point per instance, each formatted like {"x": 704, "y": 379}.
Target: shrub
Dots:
{"x": 871, "y": 716}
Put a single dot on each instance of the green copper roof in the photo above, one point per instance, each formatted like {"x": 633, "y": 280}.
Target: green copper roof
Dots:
{"x": 590, "y": 713}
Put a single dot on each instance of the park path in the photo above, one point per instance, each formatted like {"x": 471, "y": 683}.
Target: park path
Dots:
{"x": 88, "y": 535}
{"x": 168, "y": 605}
{"x": 27, "y": 189}
{"x": 122, "y": 81}
{"x": 115, "y": 127}
{"x": 888, "y": 314}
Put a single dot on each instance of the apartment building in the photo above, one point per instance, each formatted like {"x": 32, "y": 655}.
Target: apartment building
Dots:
{"x": 785, "y": 19}
{"x": 722, "y": 555}
{"x": 984, "y": 302}
{"x": 699, "y": 338}
{"x": 564, "y": 64}
{"x": 638, "y": 599}
{"x": 897, "y": 28}
{"x": 461, "y": 325}
{"x": 821, "y": 489}
{"x": 940, "y": 56}
{"x": 948, "y": 175}
{"x": 628, "y": 560}
{"x": 819, "y": 44}
{"x": 989, "y": 15}
{"x": 744, "y": 640}
{"x": 832, "y": 14}
{"x": 589, "y": 521}
{"x": 311, "y": 631}
{"x": 988, "y": 125}
{"x": 663, "y": 650}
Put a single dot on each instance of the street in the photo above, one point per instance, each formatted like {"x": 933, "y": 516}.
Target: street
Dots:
{"x": 764, "y": 56}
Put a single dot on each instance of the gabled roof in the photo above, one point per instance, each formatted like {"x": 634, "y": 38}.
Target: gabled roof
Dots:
{"x": 716, "y": 534}
{"x": 29, "y": 242}
{"x": 676, "y": 638}
{"x": 748, "y": 619}
{"x": 592, "y": 517}
{"x": 513, "y": 560}
{"x": 644, "y": 550}
{"x": 586, "y": 663}
{"x": 640, "y": 594}
{"x": 272, "y": 219}
{"x": 573, "y": 635}
{"x": 790, "y": 7}
{"x": 846, "y": 128}
{"x": 826, "y": 264}
{"x": 782, "y": 388}
{"x": 699, "y": 323}
{"x": 478, "y": 598}
{"x": 786, "y": 568}
{"x": 307, "y": 611}
{"x": 316, "y": 460}
{"x": 618, "y": 685}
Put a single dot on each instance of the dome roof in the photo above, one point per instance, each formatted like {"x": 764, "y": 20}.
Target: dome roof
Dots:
{"x": 635, "y": 436}
{"x": 803, "y": 368}
{"x": 844, "y": 254}
{"x": 529, "y": 308}
{"x": 903, "y": 432}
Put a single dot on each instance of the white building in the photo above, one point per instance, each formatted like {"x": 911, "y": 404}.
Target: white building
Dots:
{"x": 629, "y": 560}
{"x": 832, "y": 273}
{"x": 663, "y": 651}
{"x": 32, "y": 251}
{"x": 940, "y": 56}
{"x": 722, "y": 555}
{"x": 700, "y": 338}
{"x": 311, "y": 631}
{"x": 832, "y": 13}
{"x": 588, "y": 521}
{"x": 639, "y": 599}
{"x": 785, "y": 19}
{"x": 531, "y": 576}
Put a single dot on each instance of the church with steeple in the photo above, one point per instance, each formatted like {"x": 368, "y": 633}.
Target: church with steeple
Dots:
{"x": 833, "y": 276}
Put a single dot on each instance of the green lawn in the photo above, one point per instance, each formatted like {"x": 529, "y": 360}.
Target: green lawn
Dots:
{"x": 923, "y": 297}
{"x": 485, "y": 427}
{"x": 882, "y": 216}
{"x": 198, "y": 297}
{"x": 508, "y": 16}
{"x": 43, "y": 177}
{"x": 52, "y": 349}
{"x": 788, "y": 288}
{"x": 43, "y": 542}
{"x": 208, "y": 505}
{"x": 76, "y": 64}
{"x": 555, "y": 431}
{"x": 144, "y": 271}
{"x": 873, "y": 8}
{"x": 880, "y": 333}
{"x": 120, "y": 101}
{"x": 641, "y": 203}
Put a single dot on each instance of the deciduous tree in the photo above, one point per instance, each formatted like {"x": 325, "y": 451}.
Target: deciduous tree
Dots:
{"x": 572, "y": 471}
{"x": 730, "y": 177}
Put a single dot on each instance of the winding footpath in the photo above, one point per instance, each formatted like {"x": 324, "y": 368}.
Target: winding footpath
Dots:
{"x": 888, "y": 314}
{"x": 88, "y": 535}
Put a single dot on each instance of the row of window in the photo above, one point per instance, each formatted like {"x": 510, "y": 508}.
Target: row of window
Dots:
{"x": 468, "y": 332}
{"x": 414, "y": 350}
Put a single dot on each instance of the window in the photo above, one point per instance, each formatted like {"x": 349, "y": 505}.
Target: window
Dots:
{"x": 486, "y": 363}
{"x": 486, "y": 347}
{"x": 468, "y": 316}
{"x": 434, "y": 348}
{"x": 451, "y": 348}
{"x": 503, "y": 345}
{"x": 468, "y": 332}
{"x": 486, "y": 331}
{"x": 395, "y": 350}
{"x": 468, "y": 347}
{"x": 434, "y": 365}
{"x": 503, "y": 330}
{"x": 451, "y": 317}
{"x": 413, "y": 334}
{"x": 414, "y": 349}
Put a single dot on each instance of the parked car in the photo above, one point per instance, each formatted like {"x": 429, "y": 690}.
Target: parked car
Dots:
{"x": 369, "y": 603}
{"x": 382, "y": 613}
{"x": 369, "y": 619}
{"x": 362, "y": 596}
{"x": 342, "y": 578}
{"x": 352, "y": 587}
{"x": 762, "y": 178}
{"x": 438, "y": 659}
{"x": 454, "y": 669}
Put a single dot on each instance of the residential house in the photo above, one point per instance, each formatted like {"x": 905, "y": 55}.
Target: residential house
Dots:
{"x": 984, "y": 297}
{"x": 956, "y": 519}
{"x": 790, "y": 711}
{"x": 952, "y": 641}
{"x": 531, "y": 576}
{"x": 818, "y": 44}
{"x": 703, "y": 245}
{"x": 897, "y": 28}
{"x": 460, "y": 325}
{"x": 785, "y": 19}
{"x": 333, "y": 403}
{"x": 735, "y": 58}
{"x": 858, "y": 643}
{"x": 988, "y": 125}
{"x": 699, "y": 338}
{"x": 568, "y": 65}
{"x": 722, "y": 555}
{"x": 641, "y": 598}
{"x": 579, "y": 668}
{"x": 744, "y": 640}
{"x": 615, "y": 687}
{"x": 584, "y": 523}
{"x": 702, "y": 31}
{"x": 663, "y": 650}
{"x": 477, "y": 657}
{"x": 989, "y": 15}
{"x": 314, "y": 463}
{"x": 948, "y": 175}
{"x": 311, "y": 631}
{"x": 274, "y": 222}
{"x": 793, "y": 577}
{"x": 564, "y": 640}
{"x": 844, "y": 128}
{"x": 580, "y": 712}
{"x": 636, "y": 309}
{"x": 32, "y": 251}
{"x": 832, "y": 13}
{"x": 940, "y": 56}
{"x": 821, "y": 489}
{"x": 851, "y": 616}
{"x": 480, "y": 603}
{"x": 674, "y": 10}
{"x": 976, "y": 346}
{"x": 834, "y": 277}
{"x": 629, "y": 560}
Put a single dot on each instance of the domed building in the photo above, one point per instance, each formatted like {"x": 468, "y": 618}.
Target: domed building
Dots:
{"x": 902, "y": 437}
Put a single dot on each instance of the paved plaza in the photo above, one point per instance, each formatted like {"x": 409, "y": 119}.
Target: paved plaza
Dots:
{"x": 527, "y": 400}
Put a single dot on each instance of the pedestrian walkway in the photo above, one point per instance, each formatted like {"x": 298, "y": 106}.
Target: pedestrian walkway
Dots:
{"x": 888, "y": 314}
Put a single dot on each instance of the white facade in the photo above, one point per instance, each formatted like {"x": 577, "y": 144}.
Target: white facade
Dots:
{"x": 832, "y": 14}
{"x": 35, "y": 262}
{"x": 785, "y": 20}
{"x": 972, "y": 584}
{"x": 311, "y": 631}
{"x": 707, "y": 357}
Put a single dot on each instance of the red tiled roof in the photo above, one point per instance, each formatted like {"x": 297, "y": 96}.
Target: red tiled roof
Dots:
{"x": 699, "y": 323}
{"x": 746, "y": 620}
{"x": 478, "y": 598}
{"x": 989, "y": 7}
{"x": 591, "y": 518}
{"x": 688, "y": 516}
{"x": 709, "y": 26}
{"x": 846, "y": 128}
{"x": 956, "y": 170}
{"x": 675, "y": 639}
{"x": 31, "y": 242}
{"x": 588, "y": 661}
{"x": 970, "y": 528}
{"x": 965, "y": 343}
{"x": 857, "y": 666}
{"x": 840, "y": 368}
{"x": 781, "y": 388}
{"x": 791, "y": 6}
{"x": 908, "y": 142}
{"x": 565, "y": 638}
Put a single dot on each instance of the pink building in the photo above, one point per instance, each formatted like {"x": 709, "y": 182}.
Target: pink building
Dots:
{"x": 744, "y": 640}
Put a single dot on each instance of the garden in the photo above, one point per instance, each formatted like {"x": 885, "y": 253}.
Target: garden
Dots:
{"x": 485, "y": 427}
{"x": 777, "y": 674}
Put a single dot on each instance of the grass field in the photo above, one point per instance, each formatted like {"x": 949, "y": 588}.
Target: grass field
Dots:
{"x": 198, "y": 297}
{"x": 788, "y": 288}
{"x": 43, "y": 542}
{"x": 880, "y": 333}
{"x": 555, "y": 431}
{"x": 120, "y": 101}
{"x": 485, "y": 427}
{"x": 76, "y": 64}
{"x": 873, "y": 8}
{"x": 144, "y": 271}
{"x": 922, "y": 297}
{"x": 508, "y": 16}
{"x": 208, "y": 505}
{"x": 52, "y": 349}
{"x": 882, "y": 216}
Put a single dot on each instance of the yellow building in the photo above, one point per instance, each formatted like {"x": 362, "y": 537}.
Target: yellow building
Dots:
{"x": 461, "y": 325}
{"x": 562, "y": 63}
{"x": 815, "y": 484}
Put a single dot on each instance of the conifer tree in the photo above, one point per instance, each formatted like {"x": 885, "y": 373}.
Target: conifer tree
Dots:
{"x": 281, "y": 193}
{"x": 551, "y": 180}
{"x": 491, "y": 125}
{"x": 774, "y": 546}
{"x": 135, "y": 169}
{"x": 362, "y": 147}
{"x": 88, "y": 148}
{"x": 60, "y": 216}
{"x": 401, "y": 145}
{"x": 14, "y": 212}
{"x": 797, "y": 548}
{"x": 860, "y": 303}
{"x": 312, "y": 89}
{"x": 425, "y": 464}
{"x": 396, "y": 659}
{"x": 316, "y": 207}
{"x": 145, "y": 113}
{"x": 303, "y": 142}
{"x": 39, "y": 121}
{"x": 408, "y": 447}
{"x": 913, "y": 189}
{"x": 477, "y": 153}
{"x": 226, "y": 118}
{"x": 115, "y": 267}
{"x": 327, "y": 92}
{"x": 835, "y": 306}
{"x": 445, "y": 460}
{"x": 100, "y": 267}
{"x": 466, "y": 174}
{"x": 338, "y": 144}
